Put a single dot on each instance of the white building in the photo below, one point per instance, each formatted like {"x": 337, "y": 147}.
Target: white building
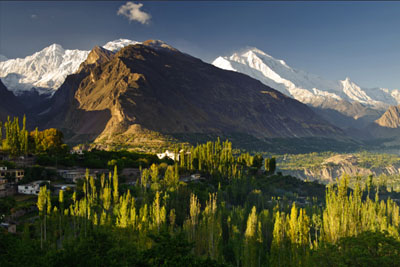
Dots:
{"x": 31, "y": 188}
{"x": 170, "y": 154}
{"x": 76, "y": 151}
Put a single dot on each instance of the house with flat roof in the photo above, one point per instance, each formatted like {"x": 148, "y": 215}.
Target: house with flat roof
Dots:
{"x": 31, "y": 188}
{"x": 170, "y": 154}
{"x": 17, "y": 174}
{"x": 72, "y": 175}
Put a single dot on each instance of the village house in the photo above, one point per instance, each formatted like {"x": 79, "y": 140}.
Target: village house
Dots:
{"x": 192, "y": 178}
{"x": 24, "y": 161}
{"x": 79, "y": 150}
{"x": 171, "y": 155}
{"x": 76, "y": 152}
{"x": 76, "y": 174}
{"x": 3, "y": 187}
{"x": 17, "y": 174}
{"x": 32, "y": 188}
{"x": 72, "y": 175}
{"x": 168, "y": 154}
{"x": 6, "y": 189}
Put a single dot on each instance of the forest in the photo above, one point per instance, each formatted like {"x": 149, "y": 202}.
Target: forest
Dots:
{"x": 232, "y": 214}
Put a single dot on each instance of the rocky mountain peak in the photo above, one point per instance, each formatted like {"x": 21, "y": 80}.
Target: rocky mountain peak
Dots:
{"x": 391, "y": 118}
{"x": 96, "y": 56}
{"x": 150, "y": 87}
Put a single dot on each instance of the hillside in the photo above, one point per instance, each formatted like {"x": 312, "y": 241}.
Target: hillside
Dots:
{"x": 152, "y": 89}
{"x": 9, "y": 104}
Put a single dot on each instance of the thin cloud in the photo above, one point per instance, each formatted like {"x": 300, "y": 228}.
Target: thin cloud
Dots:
{"x": 34, "y": 16}
{"x": 133, "y": 13}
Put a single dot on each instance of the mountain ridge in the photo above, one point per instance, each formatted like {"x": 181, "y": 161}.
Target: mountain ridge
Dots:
{"x": 154, "y": 88}
{"x": 303, "y": 86}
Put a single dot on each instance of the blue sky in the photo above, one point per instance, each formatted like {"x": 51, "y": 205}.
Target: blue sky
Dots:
{"x": 360, "y": 40}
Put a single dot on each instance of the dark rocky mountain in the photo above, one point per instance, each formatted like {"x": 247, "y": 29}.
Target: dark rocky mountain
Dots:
{"x": 345, "y": 114}
{"x": 9, "y": 104}
{"x": 150, "y": 90}
{"x": 33, "y": 101}
{"x": 353, "y": 117}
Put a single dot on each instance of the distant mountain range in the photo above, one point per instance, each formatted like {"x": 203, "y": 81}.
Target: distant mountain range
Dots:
{"x": 144, "y": 93}
{"x": 47, "y": 69}
{"x": 305, "y": 87}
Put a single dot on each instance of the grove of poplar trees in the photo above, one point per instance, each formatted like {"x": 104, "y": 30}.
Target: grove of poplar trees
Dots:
{"x": 16, "y": 139}
{"x": 245, "y": 234}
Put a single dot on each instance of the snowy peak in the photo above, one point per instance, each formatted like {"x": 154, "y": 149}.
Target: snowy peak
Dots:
{"x": 47, "y": 69}
{"x": 305, "y": 87}
{"x": 223, "y": 63}
{"x": 118, "y": 44}
{"x": 354, "y": 92}
{"x": 54, "y": 48}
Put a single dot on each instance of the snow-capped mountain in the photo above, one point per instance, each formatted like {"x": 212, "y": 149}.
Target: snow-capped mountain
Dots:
{"x": 305, "y": 87}
{"x": 117, "y": 45}
{"x": 47, "y": 69}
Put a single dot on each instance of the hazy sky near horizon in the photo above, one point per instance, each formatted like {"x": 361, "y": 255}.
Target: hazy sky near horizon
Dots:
{"x": 335, "y": 40}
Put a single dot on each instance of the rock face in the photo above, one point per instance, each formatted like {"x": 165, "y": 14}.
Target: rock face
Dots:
{"x": 9, "y": 104}
{"x": 391, "y": 118}
{"x": 154, "y": 88}
{"x": 334, "y": 167}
